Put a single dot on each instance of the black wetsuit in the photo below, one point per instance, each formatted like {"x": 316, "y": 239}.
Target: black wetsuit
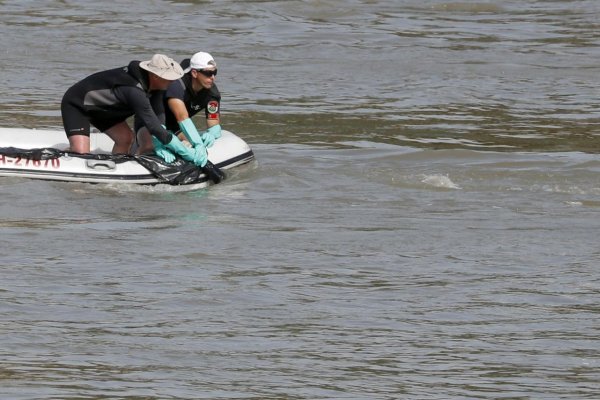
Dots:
{"x": 206, "y": 99}
{"x": 107, "y": 98}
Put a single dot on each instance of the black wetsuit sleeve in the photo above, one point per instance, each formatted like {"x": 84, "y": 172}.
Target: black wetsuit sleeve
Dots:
{"x": 143, "y": 109}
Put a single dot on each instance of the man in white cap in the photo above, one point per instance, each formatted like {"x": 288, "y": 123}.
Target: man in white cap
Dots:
{"x": 106, "y": 99}
{"x": 185, "y": 97}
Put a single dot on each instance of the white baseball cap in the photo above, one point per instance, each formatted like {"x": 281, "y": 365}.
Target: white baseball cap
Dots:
{"x": 163, "y": 66}
{"x": 201, "y": 61}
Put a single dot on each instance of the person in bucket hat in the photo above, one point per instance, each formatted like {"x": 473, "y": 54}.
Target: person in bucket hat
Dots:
{"x": 107, "y": 98}
{"x": 187, "y": 96}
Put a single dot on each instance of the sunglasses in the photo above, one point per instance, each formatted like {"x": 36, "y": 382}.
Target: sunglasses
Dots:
{"x": 206, "y": 73}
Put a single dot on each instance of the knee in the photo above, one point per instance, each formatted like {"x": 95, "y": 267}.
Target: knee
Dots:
{"x": 128, "y": 140}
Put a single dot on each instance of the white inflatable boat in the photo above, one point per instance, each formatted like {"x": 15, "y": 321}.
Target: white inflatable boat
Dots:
{"x": 40, "y": 154}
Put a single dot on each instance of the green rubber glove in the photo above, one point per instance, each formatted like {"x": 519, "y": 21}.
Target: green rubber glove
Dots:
{"x": 211, "y": 134}
{"x": 201, "y": 155}
{"x": 162, "y": 151}
{"x": 189, "y": 130}
{"x": 196, "y": 155}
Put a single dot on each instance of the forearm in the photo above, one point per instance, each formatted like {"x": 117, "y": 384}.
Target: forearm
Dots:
{"x": 144, "y": 112}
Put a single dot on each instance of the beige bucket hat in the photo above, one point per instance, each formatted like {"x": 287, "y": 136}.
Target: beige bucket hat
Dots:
{"x": 163, "y": 66}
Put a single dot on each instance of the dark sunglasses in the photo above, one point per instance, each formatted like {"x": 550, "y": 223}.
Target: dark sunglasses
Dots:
{"x": 208, "y": 74}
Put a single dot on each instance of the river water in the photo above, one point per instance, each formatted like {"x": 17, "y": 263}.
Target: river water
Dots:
{"x": 421, "y": 221}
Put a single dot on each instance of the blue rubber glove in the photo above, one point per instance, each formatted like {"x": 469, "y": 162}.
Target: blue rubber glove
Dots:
{"x": 210, "y": 135}
{"x": 162, "y": 151}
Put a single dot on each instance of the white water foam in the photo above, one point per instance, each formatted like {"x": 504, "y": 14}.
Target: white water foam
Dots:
{"x": 440, "y": 181}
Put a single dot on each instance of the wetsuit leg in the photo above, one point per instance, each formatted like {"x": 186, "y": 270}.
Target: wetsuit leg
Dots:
{"x": 75, "y": 120}
{"x": 76, "y": 124}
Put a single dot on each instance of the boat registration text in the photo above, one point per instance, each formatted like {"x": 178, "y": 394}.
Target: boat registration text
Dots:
{"x": 53, "y": 163}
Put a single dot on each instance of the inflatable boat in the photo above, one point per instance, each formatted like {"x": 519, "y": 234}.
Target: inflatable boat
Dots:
{"x": 42, "y": 154}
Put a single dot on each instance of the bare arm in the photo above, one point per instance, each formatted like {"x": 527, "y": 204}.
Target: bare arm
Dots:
{"x": 180, "y": 112}
{"x": 178, "y": 109}
{"x": 213, "y": 122}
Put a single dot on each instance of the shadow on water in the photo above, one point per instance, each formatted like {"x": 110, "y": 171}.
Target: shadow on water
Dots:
{"x": 470, "y": 127}
{"x": 453, "y": 126}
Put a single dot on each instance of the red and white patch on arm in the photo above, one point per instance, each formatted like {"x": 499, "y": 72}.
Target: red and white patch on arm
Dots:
{"x": 212, "y": 108}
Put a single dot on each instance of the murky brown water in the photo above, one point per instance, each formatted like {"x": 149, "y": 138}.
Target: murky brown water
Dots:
{"x": 421, "y": 222}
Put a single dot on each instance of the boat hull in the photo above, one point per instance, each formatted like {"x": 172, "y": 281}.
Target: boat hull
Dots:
{"x": 41, "y": 154}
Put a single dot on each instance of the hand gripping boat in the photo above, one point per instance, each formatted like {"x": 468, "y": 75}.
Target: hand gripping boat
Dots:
{"x": 40, "y": 154}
